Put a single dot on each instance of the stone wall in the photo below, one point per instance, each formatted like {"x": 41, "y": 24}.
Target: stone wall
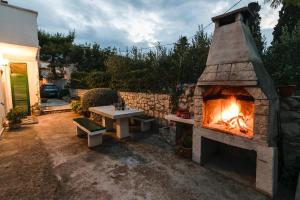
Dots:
{"x": 186, "y": 99}
{"x": 155, "y": 105}
{"x": 290, "y": 135}
{"x": 77, "y": 92}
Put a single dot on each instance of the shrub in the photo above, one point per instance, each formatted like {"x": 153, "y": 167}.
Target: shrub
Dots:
{"x": 78, "y": 80}
{"x": 76, "y": 106}
{"x": 63, "y": 92}
{"x": 98, "y": 97}
{"x": 15, "y": 115}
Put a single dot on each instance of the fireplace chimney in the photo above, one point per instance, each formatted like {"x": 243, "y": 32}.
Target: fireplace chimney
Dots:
{"x": 234, "y": 70}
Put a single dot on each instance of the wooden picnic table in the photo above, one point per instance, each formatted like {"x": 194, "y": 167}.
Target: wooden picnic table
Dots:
{"x": 109, "y": 113}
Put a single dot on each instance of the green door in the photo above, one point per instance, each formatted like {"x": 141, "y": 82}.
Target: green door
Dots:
{"x": 19, "y": 86}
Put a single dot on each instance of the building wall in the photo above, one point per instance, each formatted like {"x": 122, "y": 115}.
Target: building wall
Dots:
{"x": 18, "y": 26}
{"x": 18, "y": 44}
{"x": 2, "y": 104}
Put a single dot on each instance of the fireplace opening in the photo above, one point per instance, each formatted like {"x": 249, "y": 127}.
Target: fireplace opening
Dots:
{"x": 231, "y": 161}
{"x": 230, "y": 110}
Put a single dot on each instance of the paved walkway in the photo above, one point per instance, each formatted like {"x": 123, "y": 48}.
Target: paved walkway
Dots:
{"x": 48, "y": 161}
{"x": 55, "y": 105}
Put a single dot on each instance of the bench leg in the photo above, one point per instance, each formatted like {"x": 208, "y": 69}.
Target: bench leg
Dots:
{"x": 94, "y": 140}
{"x": 145, "y": 126}
{"x": 108, "y": 123}
{"x": 122, "y": 128}
{"x": 79, "y": 131}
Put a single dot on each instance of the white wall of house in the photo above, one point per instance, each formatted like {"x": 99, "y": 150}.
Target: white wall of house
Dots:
{"x": 18, "y": 44}
{"x": 18, "y": 26}
{"x": 2, "y": 103}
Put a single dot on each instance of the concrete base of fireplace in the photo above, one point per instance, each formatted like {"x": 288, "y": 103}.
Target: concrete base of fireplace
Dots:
{"x": 266, "y": 162}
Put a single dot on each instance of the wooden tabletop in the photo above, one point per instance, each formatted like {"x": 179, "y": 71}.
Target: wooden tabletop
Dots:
{"x": 111, "y": 112}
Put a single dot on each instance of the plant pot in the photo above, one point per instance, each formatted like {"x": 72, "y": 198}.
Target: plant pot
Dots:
{"x": 185, "y": 152}
{"x": 36, "y": 112}
{"x": 13, "y": 125}
{"x": 185, "y": 115}
{"x": 178, "y": 113}
{"x": 286, "y": 90}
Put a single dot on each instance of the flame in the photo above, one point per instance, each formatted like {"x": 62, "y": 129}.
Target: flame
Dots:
{"x": 231, "y": 111}
{"x": 229, "y": 116}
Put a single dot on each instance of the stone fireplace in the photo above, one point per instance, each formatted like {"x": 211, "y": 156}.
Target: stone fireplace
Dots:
{"x": 235, "y": 102}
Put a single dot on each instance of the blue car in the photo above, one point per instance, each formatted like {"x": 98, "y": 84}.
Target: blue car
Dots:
{"x": 49, "y": 90}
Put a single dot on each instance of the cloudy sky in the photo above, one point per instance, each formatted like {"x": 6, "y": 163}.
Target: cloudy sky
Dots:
{"x": 143, "y": 23}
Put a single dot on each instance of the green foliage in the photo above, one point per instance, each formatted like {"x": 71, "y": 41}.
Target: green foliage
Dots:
{"x": 288, "y": 19}
{"x": 276, "y": 3}
{"x": 16, "y": 114}
{"x": 160, "y": 70}
{"x": 76, "y": 106}
{"x": 98, "y": 97}
{"x": 254, "y": 26}
{"x": 63, "y": 92}
{"x": 89, "y": 80}
{"x": 55, "y": 49}
{"x": 90, "y": 57}
{"x": 78, "y": 80}
{"x": 282, "y": 58}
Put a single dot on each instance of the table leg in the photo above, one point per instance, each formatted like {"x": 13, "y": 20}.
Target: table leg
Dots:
{"x": 107, "y": 123}
{"x": 122, "y": 128}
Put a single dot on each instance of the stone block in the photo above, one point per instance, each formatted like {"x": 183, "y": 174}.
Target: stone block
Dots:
{"x": 261, "y": 102}
{"x": 266, "y": 170}
{"x": 244, "y": 66}
{"x": 256, "y": 93}
{"x": 261, "y": 110}
{"x": 196, "y": 147}
{"x": 197, "y": 117}
{"x": 224, "y": 68}
{"x": 208, "y": 76}
{"x": 243, "y": 75}
{"x": 222, "y": 76}
{"x": 211, "y": 68}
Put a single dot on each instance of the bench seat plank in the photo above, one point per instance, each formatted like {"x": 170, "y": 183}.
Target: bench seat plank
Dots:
{"x": 89, "y": 124}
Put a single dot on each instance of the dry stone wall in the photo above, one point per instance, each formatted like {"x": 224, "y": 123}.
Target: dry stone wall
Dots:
{"x": 155, "y": 105}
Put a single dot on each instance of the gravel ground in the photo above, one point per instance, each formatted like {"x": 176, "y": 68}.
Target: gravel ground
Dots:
{"x": 48, "y": 161}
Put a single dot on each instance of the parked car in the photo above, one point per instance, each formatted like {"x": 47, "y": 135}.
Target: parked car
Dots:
{"x": 49, "y": 90}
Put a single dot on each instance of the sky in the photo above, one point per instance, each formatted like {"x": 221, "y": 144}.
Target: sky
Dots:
{"x": 142, "y": 23}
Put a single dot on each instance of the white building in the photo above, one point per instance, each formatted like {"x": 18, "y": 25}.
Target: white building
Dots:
{"x": 19, "y": 47}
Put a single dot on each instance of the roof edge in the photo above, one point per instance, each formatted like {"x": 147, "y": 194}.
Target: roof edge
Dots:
{"x": 19, "y": 8}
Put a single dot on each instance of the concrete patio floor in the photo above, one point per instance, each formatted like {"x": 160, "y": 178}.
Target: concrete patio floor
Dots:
{"x": 48, "y": 161}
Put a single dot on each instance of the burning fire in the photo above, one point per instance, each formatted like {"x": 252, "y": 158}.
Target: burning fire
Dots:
{"x": 228, "y": 115}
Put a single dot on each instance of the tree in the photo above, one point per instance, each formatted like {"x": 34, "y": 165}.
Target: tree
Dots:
{"x": 179, "y": 57}
{"x": 288, "y": 18}
{"x": 276, "y": 3}
{"x": 254, "y": 25}
{"x": 89, "y": 57}
{"x": 283, "y": 57}
{"x": 55, "y": 49}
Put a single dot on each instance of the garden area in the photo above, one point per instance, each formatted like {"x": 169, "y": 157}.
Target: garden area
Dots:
{"x": 212, "y": 116}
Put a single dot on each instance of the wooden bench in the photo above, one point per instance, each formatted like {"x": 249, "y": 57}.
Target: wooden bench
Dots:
{"x": 93, "y": 130}
{"x": 145, "y": 122}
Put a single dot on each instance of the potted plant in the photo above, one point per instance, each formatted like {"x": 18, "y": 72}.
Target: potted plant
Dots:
{"x": 14, "y": 117}
{"x": 286, "y": 78}
{"x": 36, "y": 109}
